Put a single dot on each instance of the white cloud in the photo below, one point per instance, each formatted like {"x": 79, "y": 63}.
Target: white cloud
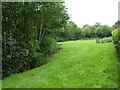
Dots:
{"x": 92, "y": 11}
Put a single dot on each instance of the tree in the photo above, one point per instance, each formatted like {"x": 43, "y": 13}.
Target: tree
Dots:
{"x": 29, "y": 31}
{"x": 104, "y": 31}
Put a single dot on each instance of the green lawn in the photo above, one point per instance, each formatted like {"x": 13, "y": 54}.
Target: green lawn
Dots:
{"x": 0, "y": 84}
{"x": 79, "y": 64}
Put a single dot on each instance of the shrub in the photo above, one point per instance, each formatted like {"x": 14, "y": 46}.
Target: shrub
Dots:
{"x": 118, "y": 48}
{"x": 116, "y": 39}
{"x": 49, "y": 46}
{"x": 15, "y": 57}
{"x": 104, "y": 40}
{"x": 38, "y": 60}
{"x": 116, "y": 36}
{"x": 97, "y": 40}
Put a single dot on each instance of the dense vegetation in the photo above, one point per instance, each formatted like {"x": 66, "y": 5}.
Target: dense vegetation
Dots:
{"x": 116, "y": 40}
{"x": 29, "y": 33}
{"x": 116, "y": 36}
{"x": 72, "y": 32}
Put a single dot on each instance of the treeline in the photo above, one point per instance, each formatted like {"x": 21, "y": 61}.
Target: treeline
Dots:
{"x": 29, "y": 31}
{"x": 116, "y": 36}
{"x": 72, "y": 32}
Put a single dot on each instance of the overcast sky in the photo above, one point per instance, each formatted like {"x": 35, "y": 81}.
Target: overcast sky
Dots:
{"x": 91, "y": 11}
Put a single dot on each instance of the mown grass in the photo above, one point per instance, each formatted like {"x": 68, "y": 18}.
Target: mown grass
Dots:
{"x": 0, "y": 84}
{"x": 79, "y": 64}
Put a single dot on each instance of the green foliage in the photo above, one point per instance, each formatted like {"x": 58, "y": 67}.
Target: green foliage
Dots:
{"x": 97, "y": 40}
{"x": 116, "y": 35}
{"x": 116, "y": 25}
{"x": 38, "y": 60}
{"x": 116, "y": 39}
{"x": 104, "y": 31}
{"x": 29, "y": 31}
{"x": 69, "y": 32}
{"x": 72, "y": 32}
{"x": 49, "y": 46}
{"x": 104, "y": 40}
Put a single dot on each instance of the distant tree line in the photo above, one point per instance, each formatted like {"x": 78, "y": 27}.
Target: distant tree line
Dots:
{"x": 72, "y": 32}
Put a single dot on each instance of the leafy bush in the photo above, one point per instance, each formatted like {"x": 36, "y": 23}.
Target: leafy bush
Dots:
{"x": 116, "y": 35}
{"x": 97, "y": 40}
{"x": 104, "y": 40}
{"x": 38, "y": 60}
{"x": 118, "y": 47}
{"x": 50, "y": 46}
{"x": 116, "y": 39}
{"x": 15, "y": 57}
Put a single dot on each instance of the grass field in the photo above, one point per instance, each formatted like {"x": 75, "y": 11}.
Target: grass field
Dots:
{"x": 79, "y": 64}
{"x": 0, "y": 84}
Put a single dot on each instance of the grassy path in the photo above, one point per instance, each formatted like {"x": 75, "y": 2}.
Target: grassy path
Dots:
{"x": 80, "y": 64}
